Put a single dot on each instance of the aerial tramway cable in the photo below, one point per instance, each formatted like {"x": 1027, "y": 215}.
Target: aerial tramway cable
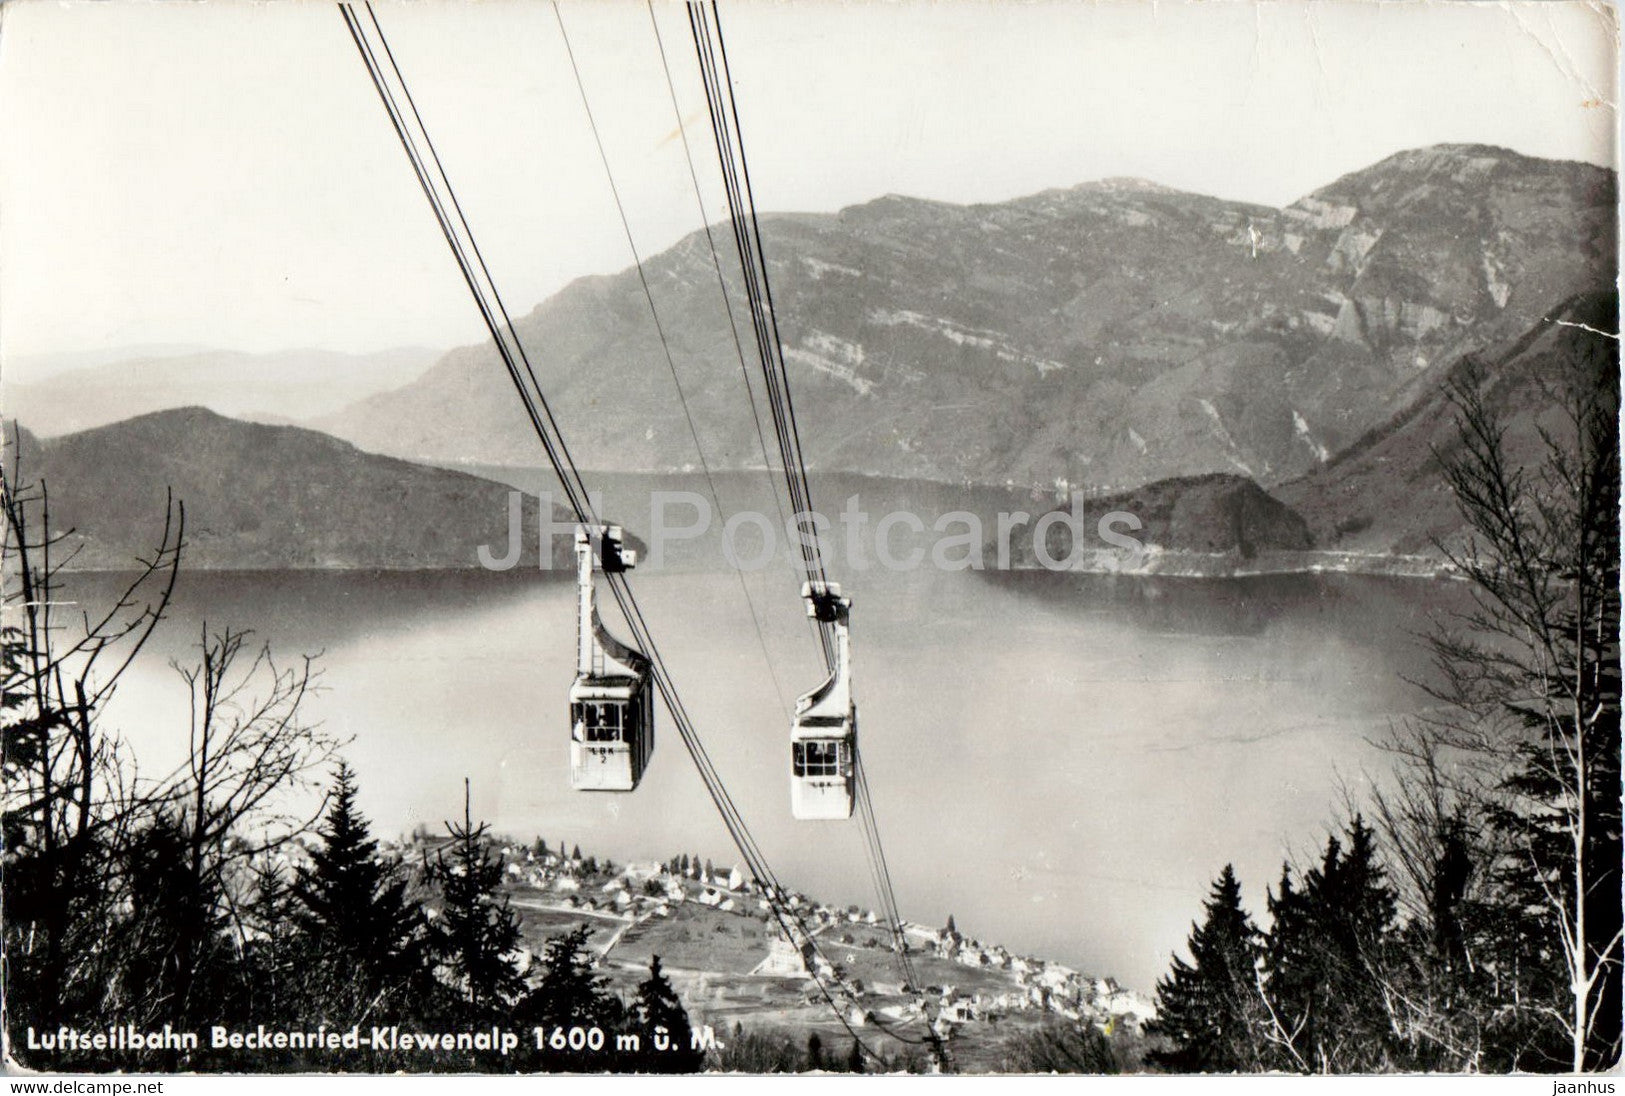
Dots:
{"x": 722, "y": 282}
{"x": 723, "y": 109}
{"x": 875, "y": 854}
{"x": 753, "y": 264}
{"x": 722, "y": 106}
{"x": 665, "y": 344}
{"x": 453, "y": 223}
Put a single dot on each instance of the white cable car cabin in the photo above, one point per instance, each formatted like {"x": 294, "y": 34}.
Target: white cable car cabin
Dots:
{"x": 611, "y": 710}
{"x": 824, "y": 737}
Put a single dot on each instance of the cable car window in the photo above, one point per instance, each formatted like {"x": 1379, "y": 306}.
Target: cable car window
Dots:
{"x": 600, "y": 720}
{"x": 819, "y": 758}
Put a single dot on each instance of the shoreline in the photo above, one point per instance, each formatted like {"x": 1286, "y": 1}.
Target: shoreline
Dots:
{"x": 1178, "y": 563}
{"x": 1159, "y": 563}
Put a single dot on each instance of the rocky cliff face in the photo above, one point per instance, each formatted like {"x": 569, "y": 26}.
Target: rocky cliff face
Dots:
{"x": 1385, "y": 494}
{"x": 1111, "y": 334}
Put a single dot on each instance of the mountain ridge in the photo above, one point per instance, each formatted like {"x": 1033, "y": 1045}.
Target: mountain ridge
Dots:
{"x": 263, "y": 497}
{"x": 1104, "y": 335}
{"x": 289, "y": 385}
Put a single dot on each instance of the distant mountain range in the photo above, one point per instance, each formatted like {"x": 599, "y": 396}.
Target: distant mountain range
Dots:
{"x": 274, "y": 497}
{"x": 59, "y": 396}
{"x": 1111, "y": 335}
{"x": 1169, "y": 353}
{"x": 264, "y": 497}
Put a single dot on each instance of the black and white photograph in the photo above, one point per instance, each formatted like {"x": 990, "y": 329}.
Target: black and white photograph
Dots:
{"x": 803, "y": 537}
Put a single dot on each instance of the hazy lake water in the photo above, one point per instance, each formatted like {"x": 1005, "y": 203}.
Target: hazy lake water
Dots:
{"x": 1062, "y": 762}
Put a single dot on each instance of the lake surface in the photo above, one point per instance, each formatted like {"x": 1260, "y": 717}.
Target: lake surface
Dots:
{"x": 1062, "y": 762}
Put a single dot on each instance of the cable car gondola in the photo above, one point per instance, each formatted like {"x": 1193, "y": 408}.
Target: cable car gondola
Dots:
{"x": 824, "y": 737}
{"x": 611, "y": 709}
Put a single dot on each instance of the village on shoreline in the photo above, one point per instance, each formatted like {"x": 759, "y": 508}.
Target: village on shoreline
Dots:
{"x": 715, "y": 934}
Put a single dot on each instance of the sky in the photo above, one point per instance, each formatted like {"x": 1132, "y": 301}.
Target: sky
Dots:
{"x": 222, "y": 174}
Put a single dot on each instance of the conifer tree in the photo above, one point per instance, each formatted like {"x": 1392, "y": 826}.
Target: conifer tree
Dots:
{"x": 477, "y": 933}
{"x": 1329, "y": 957}
{"x": 1355, "y": 910}
{"x": 854, "y": 1058}
{"x": 364, "y": 933}
{"x": 571, "y": 994}
{"x": 175, "y": 969}
{"x": 663, "y": 1026}
{"x": 1289, "y": 971}
{"x": 1210, "y": 1007}
{"x": 274, "y": 955}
